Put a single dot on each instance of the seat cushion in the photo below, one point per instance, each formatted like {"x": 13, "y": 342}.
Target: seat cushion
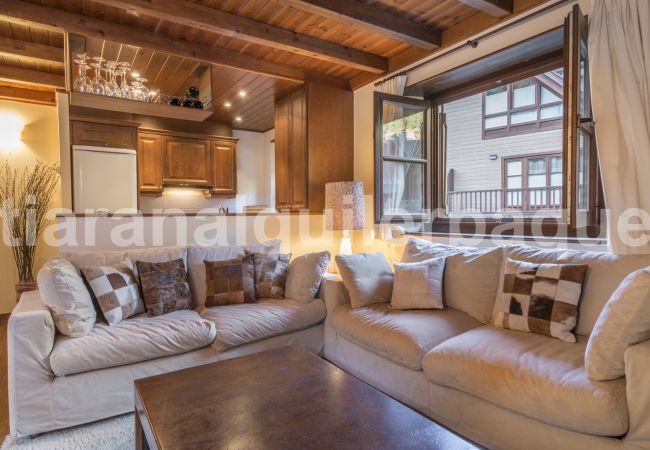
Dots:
{"x": 402, "y": 336}
{"x": 250, "y": 322}
{"x": 137, "y": 339}
{"x": 533, "y": 375}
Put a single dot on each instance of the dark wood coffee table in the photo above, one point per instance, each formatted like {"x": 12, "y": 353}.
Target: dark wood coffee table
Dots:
{"x": 279, "y": 399}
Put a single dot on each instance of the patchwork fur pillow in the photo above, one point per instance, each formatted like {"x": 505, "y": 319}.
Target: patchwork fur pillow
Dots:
{"x": 164, "y": 286}
{"x": 270, "y": 274}
{"x": 541, "y": 298}
{"x": 114, "y": 289}
{"x": 230, "y": 282}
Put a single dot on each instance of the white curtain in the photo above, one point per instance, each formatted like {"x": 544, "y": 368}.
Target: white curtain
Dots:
{"x": 619, "y": 54}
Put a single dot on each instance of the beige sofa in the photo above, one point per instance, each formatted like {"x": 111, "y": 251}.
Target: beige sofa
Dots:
{"x": 503, "y": 389}
{"x": 56, "y": 381}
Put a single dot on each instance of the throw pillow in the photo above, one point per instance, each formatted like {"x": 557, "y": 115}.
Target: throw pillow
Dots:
{"x": 63, "y": 291}
{"x": 367, "y": 277}
{"x": 541, "y": 298}
{"x": 624, "y": 321}
{"x": 229, "y": 282}
{"x": 418, "y": 285}
{"x": 114, "y": 290}
{"x": 270, "y": 274}
{"x": 164, "y": 286}
{"x": 305, "y": 274}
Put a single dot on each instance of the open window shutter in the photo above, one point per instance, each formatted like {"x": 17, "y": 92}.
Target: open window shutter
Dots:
{"x": 581, "y": 196}
{"x": 441, "y": 168}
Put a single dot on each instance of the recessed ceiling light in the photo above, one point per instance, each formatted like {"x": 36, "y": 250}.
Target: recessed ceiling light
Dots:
{"x": 135, "y": 74}
{"x": 227, "y": 104}
{"x": 242, "y": 94}
{"x": 238, "y": 118}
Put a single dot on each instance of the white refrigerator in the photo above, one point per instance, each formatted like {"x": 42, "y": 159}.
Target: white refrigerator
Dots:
{"x": 104, "y": 179}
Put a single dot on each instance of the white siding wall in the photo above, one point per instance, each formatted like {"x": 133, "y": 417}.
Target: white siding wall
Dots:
{"x": 468, "y": 154}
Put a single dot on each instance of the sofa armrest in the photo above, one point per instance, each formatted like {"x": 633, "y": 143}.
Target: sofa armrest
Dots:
{"x": 30, "y": 338}
{"x": 335, "y": 293}
{"x": 637, "y": 371}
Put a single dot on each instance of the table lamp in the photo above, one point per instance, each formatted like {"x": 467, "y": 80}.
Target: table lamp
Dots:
{"x": 344, "y": 210}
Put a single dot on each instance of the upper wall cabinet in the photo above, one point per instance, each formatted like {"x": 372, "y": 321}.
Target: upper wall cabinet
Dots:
{"x": 314, "y": 145}
{"x": 150, "y": 167}
{"x": 99, "y": 134}
{"x": 186, "y": 161}
{"x": 223, "y": 165}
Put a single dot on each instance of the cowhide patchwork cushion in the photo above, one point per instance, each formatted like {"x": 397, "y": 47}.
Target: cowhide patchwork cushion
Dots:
{"x": 541, "y": 298}
{"x": 270, "y": 274}
{"x": 114, "y": 290}
{"x": 230, "y": 282}
{"x": 164, "y": 286}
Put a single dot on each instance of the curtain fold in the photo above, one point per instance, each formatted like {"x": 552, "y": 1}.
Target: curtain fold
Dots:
{"x": 619, "y": 62}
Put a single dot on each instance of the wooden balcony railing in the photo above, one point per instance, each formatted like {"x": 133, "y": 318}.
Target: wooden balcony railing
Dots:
{"x": 498, "y": 201}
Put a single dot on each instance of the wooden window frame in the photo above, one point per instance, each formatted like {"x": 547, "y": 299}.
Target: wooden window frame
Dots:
{"x": 380, "y": 158}
{"x": 525, "y": 173}
{"x": 521, "y": 128}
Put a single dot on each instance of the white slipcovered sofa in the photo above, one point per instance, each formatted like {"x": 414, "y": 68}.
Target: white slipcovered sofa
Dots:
{"x": 503, "y": 389}
{"x": 57, "y": 381}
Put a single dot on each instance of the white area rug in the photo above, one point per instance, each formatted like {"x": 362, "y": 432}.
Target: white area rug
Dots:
{"x": 116, "y": 433}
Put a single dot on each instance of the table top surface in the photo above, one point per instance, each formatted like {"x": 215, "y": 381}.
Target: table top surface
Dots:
{"x": 284, "y": 398}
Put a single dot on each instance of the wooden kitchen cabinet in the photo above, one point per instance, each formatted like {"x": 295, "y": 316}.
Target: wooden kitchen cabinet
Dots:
{"x": 223, "y": 166}
{"x": 97, "y": 134}
{"x": 150, "y": 167}
{"x": 186, "y": 161}
{"x": 314, "y": 145}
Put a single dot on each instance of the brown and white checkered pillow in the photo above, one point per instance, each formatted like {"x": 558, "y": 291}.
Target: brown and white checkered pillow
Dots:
{"x": 115, "y": 290}
{"x": 270, "y": 274}
{"x": 230, "y": 282}
{"x": 541, "y": 298}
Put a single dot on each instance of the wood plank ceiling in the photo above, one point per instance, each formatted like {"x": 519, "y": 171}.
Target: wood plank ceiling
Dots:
{"x": 263, "y": 48}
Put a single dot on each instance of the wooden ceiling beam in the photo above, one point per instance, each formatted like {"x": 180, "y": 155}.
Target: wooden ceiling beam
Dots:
{"x": 25, "y": 12}
{"x": 373, "y": 18}
{"x": 495, "y": 8}
{"x": 31, "y": 51}
{"x": 249, "y": 30}
{"x": 29, "y": 76}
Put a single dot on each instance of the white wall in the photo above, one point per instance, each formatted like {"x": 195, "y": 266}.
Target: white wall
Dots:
{"x": 255, "y": 173}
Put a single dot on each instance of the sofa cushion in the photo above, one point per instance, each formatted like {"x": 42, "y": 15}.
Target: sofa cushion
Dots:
{"x": 402, "y": 336}
{"x": 305, "y": 274}
{"x": 133, "y": 340}
{"x": 164, "y": 286}
{"x": 367, "y": 277}
{"x": 418, "y": 285}
{"x": 471, "y": 274}
{"x": 196, "y": 254}
{"x": 250, "y": 322}
{"x": 81, "y": 259}
{"x": 605, "y": 274}
{"x": 533, "y": 375}
{"x": 270, "y": 274}
{"x": 229, "y": 282}
{"x": 64, "y": 292}
{"x": 158, "y": 255}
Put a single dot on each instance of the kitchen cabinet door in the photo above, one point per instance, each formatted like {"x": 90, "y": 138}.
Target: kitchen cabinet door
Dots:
{"x": 150, "y": 166}
{"x": 186, "y": 161}
{"x": 224, "y": 168}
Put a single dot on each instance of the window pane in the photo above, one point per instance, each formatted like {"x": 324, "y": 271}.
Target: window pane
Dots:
{"x": 583, "y": 171}
{"x": 523, "y": 93}
{"x": 403, "y": 130}
{"x": 549, "y": 96}
{"x": 514, "y": 167}
{"x": 529, "y": 115}
{"x": 551, "y": 112}
{"x": 496, "y": 100}
{"x": 514, "y": 182}
{"x": 496, "y": 121}
{"x": 556, "y": 164}
{"x": 556, "y": 179}
{"x": 537, "y": 166}
{"x": 403, "y": 188}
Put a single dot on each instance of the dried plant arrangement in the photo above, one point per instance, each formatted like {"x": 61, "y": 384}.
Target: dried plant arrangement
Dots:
{"x": 25, "y": 198}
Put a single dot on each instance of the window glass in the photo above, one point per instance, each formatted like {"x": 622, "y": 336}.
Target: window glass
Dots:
{"x": 523, "y": 93}
{"x": 496, "y": 100}
{"x": 551, "y": 112}
{"x": 496, "y": 121}
{"x": 549, "y": 97}
{"x": 402, "y": 129}
{"x": 529, "y": 115}
{"x": 403, "y": 188}
{"x": 583, "y": 173}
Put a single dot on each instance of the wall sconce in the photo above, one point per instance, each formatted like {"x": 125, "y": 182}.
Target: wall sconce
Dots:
{"x": 493, "y": 157}
{"x": 11, "y": 130}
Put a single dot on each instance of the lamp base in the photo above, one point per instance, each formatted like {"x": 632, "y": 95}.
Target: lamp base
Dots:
{"x": 346, "y": 245}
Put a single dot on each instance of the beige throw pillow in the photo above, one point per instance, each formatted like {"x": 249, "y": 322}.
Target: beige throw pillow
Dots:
{"x": 624, "y": 321}
{"x": 63, "y": 290}
{"x": 367, "y": 277}
{"x": 305, "y": 274}
{"x": 541, "y": 298}
{"x": 418, "y": 285}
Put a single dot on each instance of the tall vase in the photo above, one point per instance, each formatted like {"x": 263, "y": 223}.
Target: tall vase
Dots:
{"x": 25, "y": 286}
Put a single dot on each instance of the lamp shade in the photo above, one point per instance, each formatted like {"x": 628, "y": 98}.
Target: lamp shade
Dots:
{"x": 344, "y": 205}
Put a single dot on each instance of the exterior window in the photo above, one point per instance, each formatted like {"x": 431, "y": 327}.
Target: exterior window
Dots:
{"x": 525, "y": 106}
{"x": 533, "y": 183}
{"x": 401, "y": 157}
